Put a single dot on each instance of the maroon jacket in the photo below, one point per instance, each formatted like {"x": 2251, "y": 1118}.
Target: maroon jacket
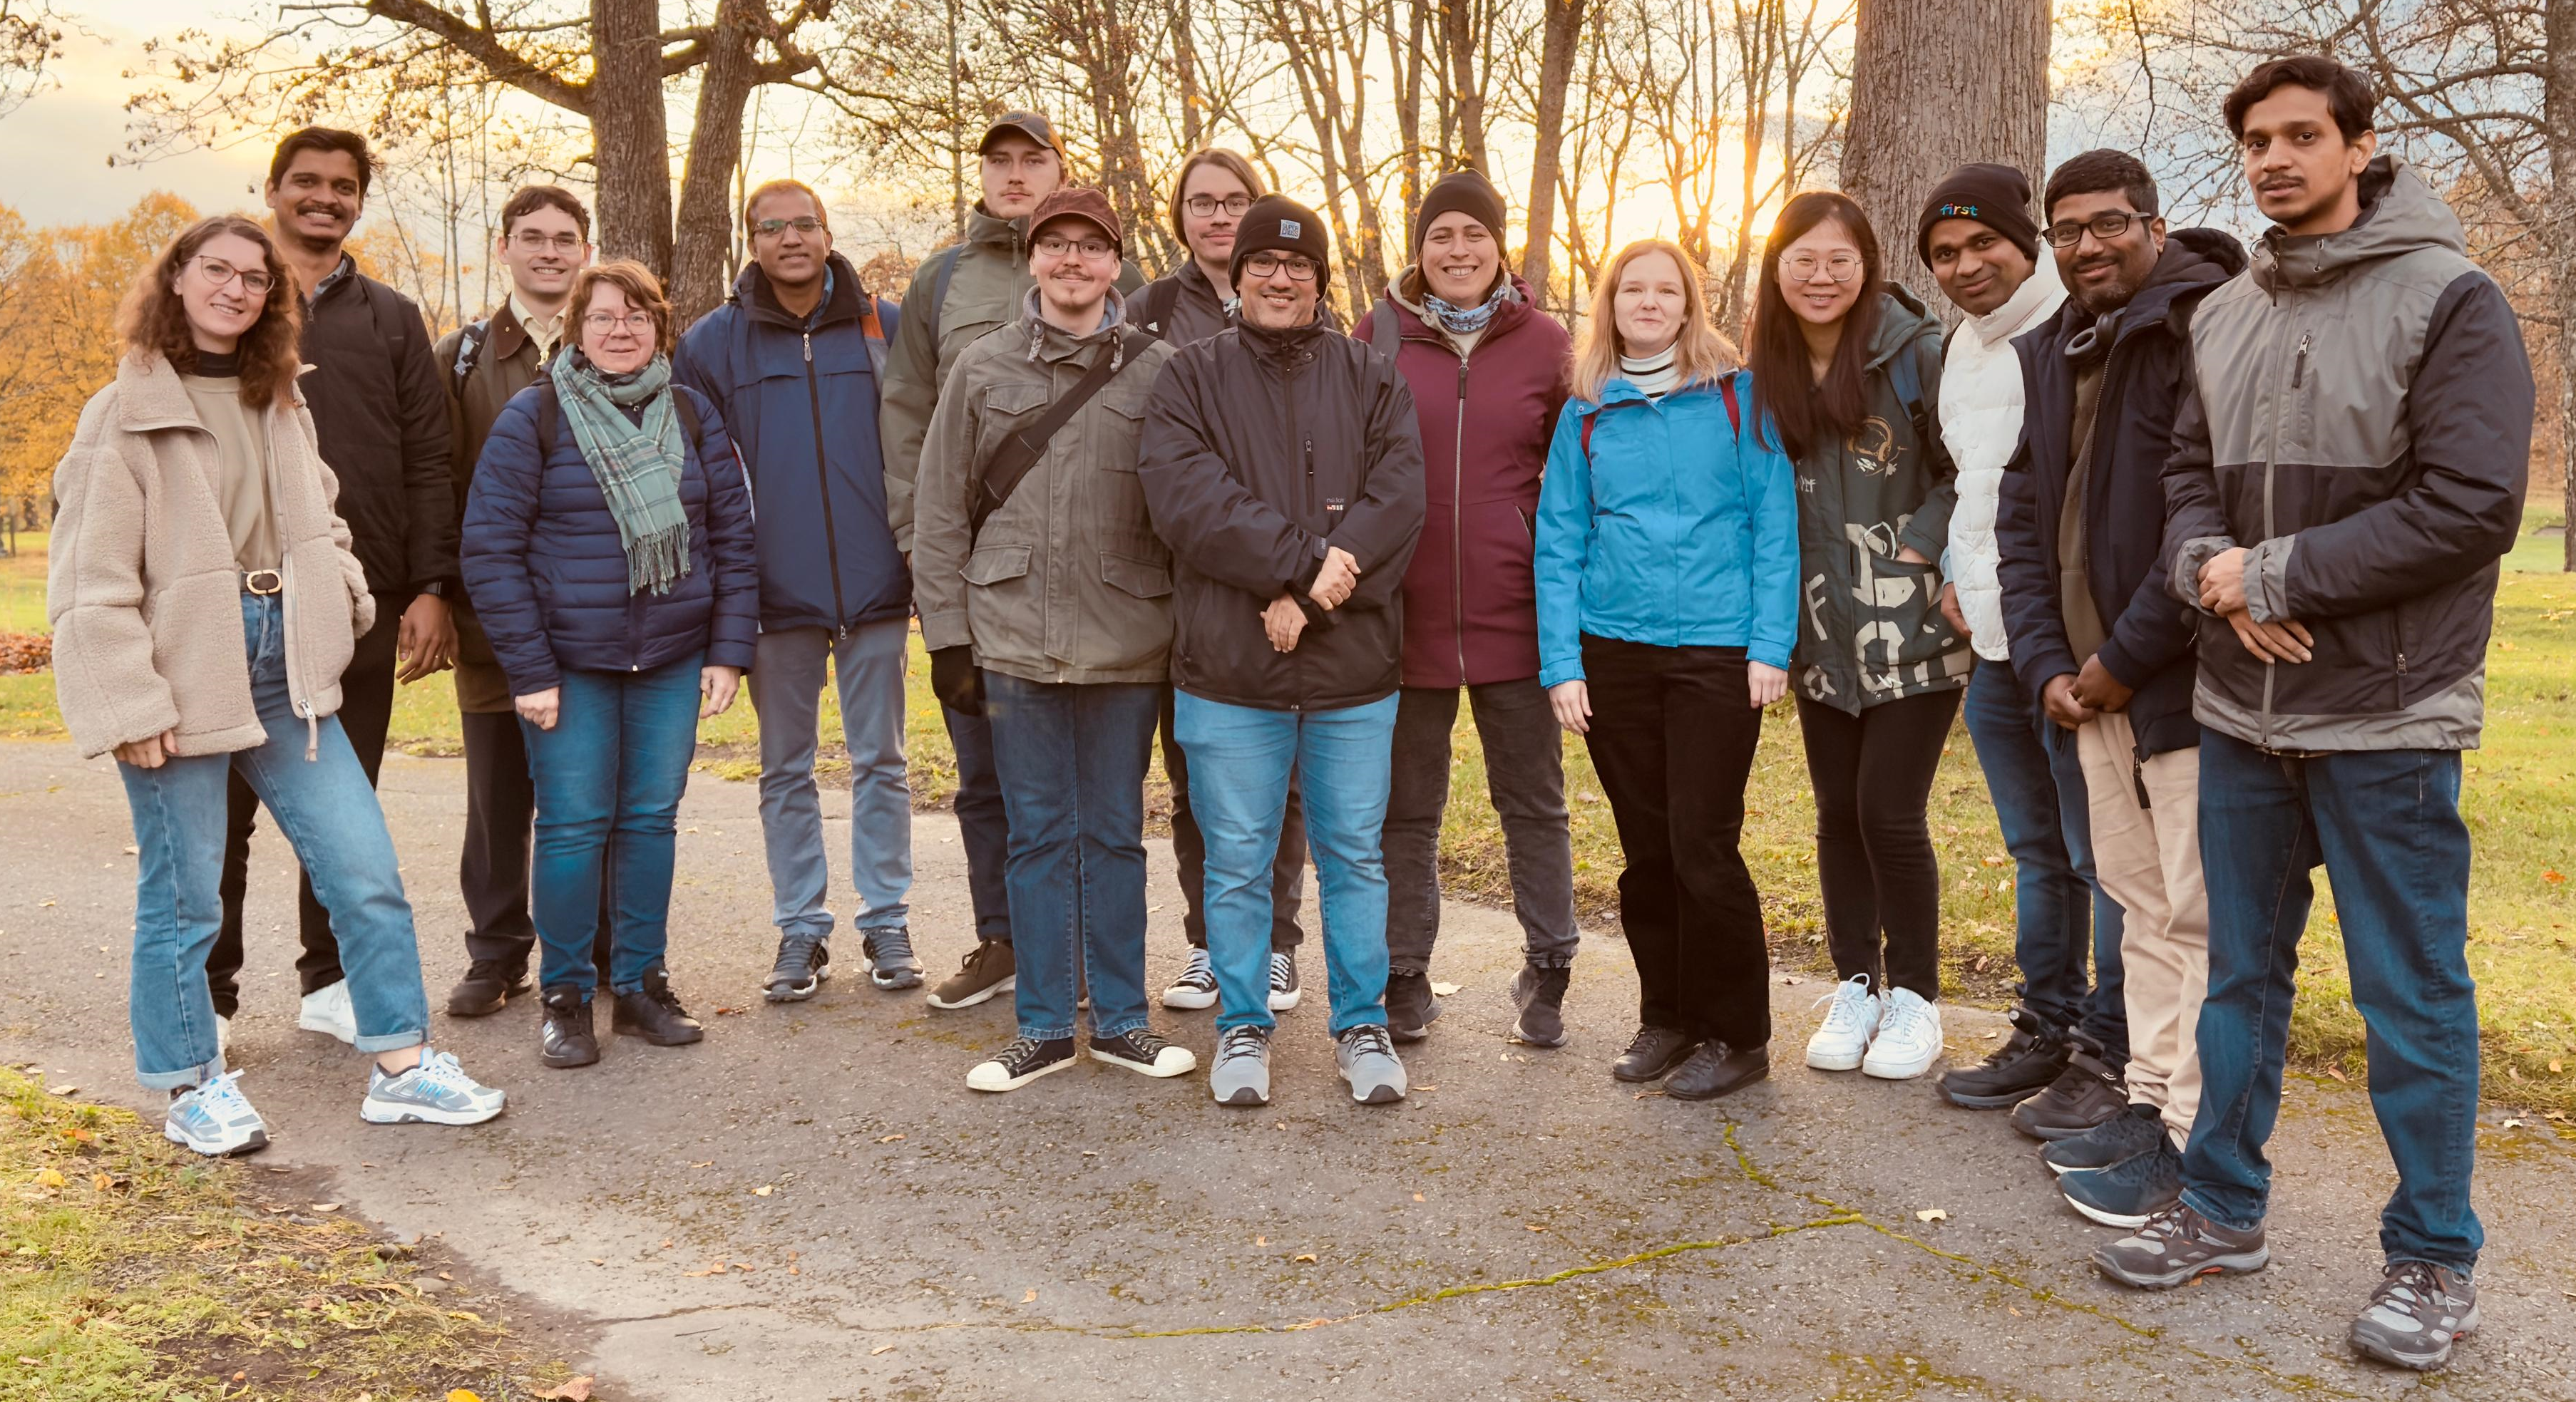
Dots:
{"x": 1470, "y": 599}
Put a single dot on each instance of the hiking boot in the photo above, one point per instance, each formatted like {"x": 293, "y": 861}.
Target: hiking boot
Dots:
{"x": 2112, "y": 1141}
{"x": 1146, "y": 1052}
{"x": 1652, "y": 1053}
{"x": 488, "y": 984}
{"x": 1410, "y": 1008}
{"x": 1195, "y": 989}
{"x": 1908, "y": 1039}
{"x": 1842, "y": 1040}
{"x": 2417, "y": 1313}
{"x": 990, "y": 968}
{"x": 564, "y": 1036}
{"x": 653, "y": 1013}
{"x": 1717, "y": 1069}
{"x": 2128, "y": 1192}
{"x": 804, "y": 961}
{"x": 2022, "y": 1067}
{"x": 213, "y": 1119}
{"x": 1023, "y": 1061}
{"x": 1241, "y": 1075}
{"x": 891, "y": 963}
{"x": 2177, "y": 1246}
{"x": 2086, "y": 1094}
{"x": 1367, "y": 1060}
{"x": 435, "y": 1092}
{"x": 1285, "y": 991}
{"x": 1540, "y": 995}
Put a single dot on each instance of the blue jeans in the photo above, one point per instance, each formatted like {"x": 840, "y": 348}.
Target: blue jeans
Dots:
{"x": 2386, "y": 824}
{"x": 2037, "y": 785}
{"x": 1071, "y": 765}
{"x": 327, "y": 810}
{"x": 983, "y": 822}
{"x": 609, "y": 778}
{"x": 786, "y": 685}
{"x": 1239, "y": 762}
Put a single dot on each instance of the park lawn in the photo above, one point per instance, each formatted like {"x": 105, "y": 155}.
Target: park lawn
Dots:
{"x": 22, "y": 585}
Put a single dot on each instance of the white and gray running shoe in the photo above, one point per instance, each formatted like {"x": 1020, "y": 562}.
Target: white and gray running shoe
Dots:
{"x": 435, "y": 1092}
{"x": 1285, "y": 993}
{"x": 215, "y": 1120}
{"x": 1368, "y": 1061}
{"x": 1241, "y": 1075}
{"x": 1195, "y": 988}
{"x": 2416, "y": 1314}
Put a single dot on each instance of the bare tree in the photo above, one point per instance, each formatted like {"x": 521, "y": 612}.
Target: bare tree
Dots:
{"x": 31, "y": 37}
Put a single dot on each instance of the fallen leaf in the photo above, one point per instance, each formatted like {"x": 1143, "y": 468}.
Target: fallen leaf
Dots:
{"x": 101, "y": 1182}
{"x": 1417, "y": 1197}
{"x": 50, "y": 1178}
{"x": 1932, "y": 1214}
{"x": 881, "y": 1348}
{"x": 1426, "y": 1087}
{"x": 456, "y": 1395}
{"x": 2337, "y": 1073}
{"x": 708, "y": 1164}
{"x": 1443, "y": 990}
{"x": 598, "y": 1260}
{"x": 1532, "y": 1226}
{"x": 2554, "y": 878}
{"x": 2557, "y": 1067}
{"x": 2513, "y": 1124}
{"x": 1030, "y": 1298}
{"x": 764, "y": 1190}
{"x": 326, "y": 1207}
{"x": 889, "y": 1138}
{"x": 728, "y": 1012}
{"x": 1261, "y": 1241}
{"x": 572, "y": 1390}
{"x": 1309, "y": 1257}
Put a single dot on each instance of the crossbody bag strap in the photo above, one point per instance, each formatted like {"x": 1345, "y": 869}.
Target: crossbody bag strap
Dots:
{"x": 1019, "y": 452}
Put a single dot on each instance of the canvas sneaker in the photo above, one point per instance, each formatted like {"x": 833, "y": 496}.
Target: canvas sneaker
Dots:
{"x": 1851, "y": 1020}
{"x": 2416, "y": 1314}
{"x": 1367, "y": 1060}
{"x": 436, "y": 1091}
{"x": 327, "y": 1010}
{"x": 1146, "y": 1052}
{"x": 891, "y": 963}
{"x": 1195, "y": 989}
{"x": 1241, "y": 1075}
{"x": 991, "y": 968}
{"x": 1023, "y": 1061}
{"x": 2176, "y": 1246}
{"x": 215, "y": 1120}
{"x": 1285, "y": 992}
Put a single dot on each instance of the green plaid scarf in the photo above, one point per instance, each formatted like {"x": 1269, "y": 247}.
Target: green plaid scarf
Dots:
{"x": 638, "y": 467}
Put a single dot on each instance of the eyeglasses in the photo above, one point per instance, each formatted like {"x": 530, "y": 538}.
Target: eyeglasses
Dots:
{"x": 1266, "y": 264}
{"x": 1803, "y": 267}
{"x": 216, "y": 272}
{"x": 530, "y": 241}
{"x": 1057, "y": 245}
{"x": 637, "y": 322}
{"x": 772, "y": 228}
{"x": 1201, "y": 206}
{"x": 2103, "y": 227}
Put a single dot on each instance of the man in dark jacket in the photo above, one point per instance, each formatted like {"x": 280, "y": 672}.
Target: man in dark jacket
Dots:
{"x": 2345, "y": 477}
{"x": 380, "y": 417}
{"x": 1488, "y": 372}
{"x": 1283, "y": 466}
{"x": 2103, "y": 651}
{"x": 791, "y": 360}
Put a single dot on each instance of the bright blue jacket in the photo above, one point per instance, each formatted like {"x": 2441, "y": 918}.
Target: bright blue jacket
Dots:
{"x": 1675, "y": 529}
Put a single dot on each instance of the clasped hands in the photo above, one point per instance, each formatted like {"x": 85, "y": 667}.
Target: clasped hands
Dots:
{"x": 1284, "y": 619}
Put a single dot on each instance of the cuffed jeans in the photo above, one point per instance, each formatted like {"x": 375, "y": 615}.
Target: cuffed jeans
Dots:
{"x": 2386, "y": 824}
{"x": 1189, "y": 852}
{"x": 2036, "y": 780}
{"x": 1240, "y": 757}
{"x": 983, "y": 823}
{"x": 1524, "y": 751}
{"x": 327, "y": 810}
{"x": 787, "y": 692}
{"x": 609, "y": 778}
{"x": 2146, "y": 846}
{"x": 1071, "y": 762}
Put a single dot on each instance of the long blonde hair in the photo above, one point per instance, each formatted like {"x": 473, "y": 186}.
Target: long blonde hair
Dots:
{"x": 1702, "y": 355}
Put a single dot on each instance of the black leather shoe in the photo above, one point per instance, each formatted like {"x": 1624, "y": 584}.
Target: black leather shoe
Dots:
{"x": 1655, "y": 1051}
{"x": 653, "y": 1013}
{"x": 2022, "y": 1067}
{"x": 1717, "y": 1069}
{"x": 565, "y": 1037}
{"x": 2085, "y": 1094}
{"x": 1410, "y": 1008}
{"x": 488, "y": 985}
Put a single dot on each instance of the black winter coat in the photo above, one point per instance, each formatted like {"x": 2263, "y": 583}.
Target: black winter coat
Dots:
{"x": 380, "y": 415}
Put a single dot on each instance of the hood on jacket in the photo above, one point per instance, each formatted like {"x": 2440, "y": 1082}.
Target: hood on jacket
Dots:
{"x": 2399, "y": 214}
{"x": 751, "y": 289}
{"x": 2194, "y": 261}
{"x": 1045, "y": 335}
{"x": 1407, "y": 291}
{"x": 1901, "y": 321}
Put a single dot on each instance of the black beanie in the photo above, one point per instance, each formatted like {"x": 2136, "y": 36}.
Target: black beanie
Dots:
{"x": 1996, "y": 196}
{"x": 1468, "y": 192}
{"x": 1278, "y": 224}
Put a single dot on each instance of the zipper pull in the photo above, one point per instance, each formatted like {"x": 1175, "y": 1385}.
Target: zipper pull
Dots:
{"x": 2299, "y": 369}
{"x": 809, "y": 347}
{"x": 312, "y": 732}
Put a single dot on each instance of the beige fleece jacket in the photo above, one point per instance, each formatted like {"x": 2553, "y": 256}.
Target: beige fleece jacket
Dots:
{"x": 144, "y": 594}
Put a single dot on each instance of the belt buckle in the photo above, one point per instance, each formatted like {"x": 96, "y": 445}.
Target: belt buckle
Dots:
{"x": 263, "y": 582}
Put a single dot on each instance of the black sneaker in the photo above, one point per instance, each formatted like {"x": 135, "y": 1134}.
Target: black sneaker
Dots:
{"x": 2085, "y": 1094}
{"x": 1144, "y": 1051}
{"x": 804, "y": 961}
{"x": 2416, "y": 1314}
{"x": 565, "y": 1037}
{"x": 2115, "y": 1139}
{"x": 2128, "y": 1192}
{"x": 2022, "y": 1067}
{"x": 1717, "y": 1069}
{"x": 1410, "y": 1008}
{"x": 891, "y": 962}
{"x": 1653, "y": 1053}
{"x": 1023, "y": 1061}
{"x": 653, "y": 1013}
{"x": 487, "y": 985}
{"x": 2177, "y": 1246}
{"x": 1540, "y": 995}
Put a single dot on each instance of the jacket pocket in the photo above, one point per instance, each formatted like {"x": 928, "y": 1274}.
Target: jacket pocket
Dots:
{"x": 1898, "y": 622}
{"x": 997, "y": 564}
{"x": 1143, "y": 578}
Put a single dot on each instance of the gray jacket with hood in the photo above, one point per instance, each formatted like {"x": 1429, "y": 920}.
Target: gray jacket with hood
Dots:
{"x": 2362, "y": 423}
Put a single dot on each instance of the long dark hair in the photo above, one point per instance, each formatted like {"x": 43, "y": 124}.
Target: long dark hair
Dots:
{"x": 154, "y": 321}
{"x": 1834, "y": 407}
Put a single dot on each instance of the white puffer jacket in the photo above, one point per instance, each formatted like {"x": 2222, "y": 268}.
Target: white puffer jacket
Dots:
{"x": 1981, "y": 402}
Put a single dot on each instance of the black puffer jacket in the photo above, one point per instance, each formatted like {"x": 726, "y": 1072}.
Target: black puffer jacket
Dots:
{"x": 380, "y": 414}
{"x": 1261, "y": 448}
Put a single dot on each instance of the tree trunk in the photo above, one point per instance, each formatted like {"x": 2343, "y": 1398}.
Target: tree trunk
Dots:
{"x": 631, "y": 143}
{"x": 1562, "y": 26}
{"x": 1936, "y": 84}
{"x": 700, "y": 260}
{"x": 1459, "y": 36}
{"x": 2560, "y": 107}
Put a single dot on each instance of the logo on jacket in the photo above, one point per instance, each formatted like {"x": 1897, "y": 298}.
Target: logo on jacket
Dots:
{"x": 1291, "y": 229}
{"x": 1874, "y": 443}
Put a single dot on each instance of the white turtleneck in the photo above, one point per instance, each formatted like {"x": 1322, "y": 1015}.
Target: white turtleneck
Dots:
{"x": 1654, "y": 375}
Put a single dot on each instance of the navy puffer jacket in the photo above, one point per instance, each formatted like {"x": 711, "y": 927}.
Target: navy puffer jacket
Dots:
{"x": 547, "y": 573}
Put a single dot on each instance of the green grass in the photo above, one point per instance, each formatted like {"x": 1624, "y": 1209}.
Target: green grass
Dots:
{"x": 22, "y": 585}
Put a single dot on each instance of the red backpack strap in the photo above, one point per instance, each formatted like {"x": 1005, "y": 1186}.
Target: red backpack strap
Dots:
{"x": 1588, "y": 421}
{"x": 1734, "y": 415}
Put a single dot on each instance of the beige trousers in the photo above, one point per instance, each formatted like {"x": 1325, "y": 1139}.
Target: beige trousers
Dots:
{"x": 2148, "y": 859}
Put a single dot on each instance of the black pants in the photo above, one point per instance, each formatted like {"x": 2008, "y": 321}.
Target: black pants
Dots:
{"x": 1882, "y": 886}
{"x": 1287, "y": 868}
{"x": 500, "y": 813}
{"x": 1673, "y": 735}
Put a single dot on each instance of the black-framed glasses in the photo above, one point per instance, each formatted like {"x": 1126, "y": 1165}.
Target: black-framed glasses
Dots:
{"x": 2103, "y": 227}
{"x": 1265, "y": 264}
{"x": 1201, "y": 206}
{"x": 772, "y": 228}
{"x": 1803, "y": 267}
{"x": 1057, "y": 245}
{"x": 216, "y": 272}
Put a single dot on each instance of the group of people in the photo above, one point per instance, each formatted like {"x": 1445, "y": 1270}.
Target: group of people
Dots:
{"x": 2205, "y": 540}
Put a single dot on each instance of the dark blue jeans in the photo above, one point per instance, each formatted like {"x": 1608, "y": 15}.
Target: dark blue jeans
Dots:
{"x": 609, "y": 778}
{"x": 2386, "y": 824}
{"x": 983, "y": 822}
{"x": 1071, "y": 764}
{"x": 2037, "y": 786}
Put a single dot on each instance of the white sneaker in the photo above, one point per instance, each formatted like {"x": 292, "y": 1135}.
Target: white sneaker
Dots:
{"x": 1840, "y": 1044}
{"x": 223, "y": 1035}
{"x": 327, "y": 1010}
{"x": 215, "y": 1120}
{"x": 1908, "y": 1040}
